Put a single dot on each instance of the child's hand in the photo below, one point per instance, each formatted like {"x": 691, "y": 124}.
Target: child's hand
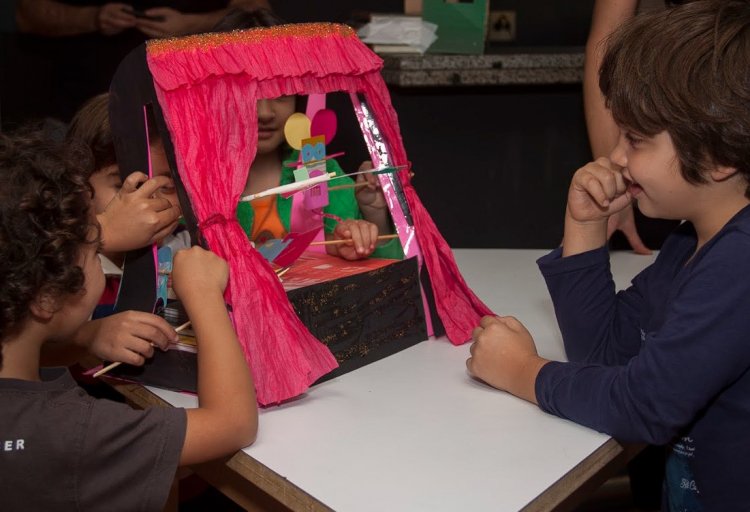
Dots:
{"x": 363, "y": 236}
{"x": 597, "y": 191}
{"x": 128, "y": 337}
{"x": 197, "y": 272}
{"x": 370, "y": 196}
{"x": 504, "y": 356}
{"x": 135, "y": 217}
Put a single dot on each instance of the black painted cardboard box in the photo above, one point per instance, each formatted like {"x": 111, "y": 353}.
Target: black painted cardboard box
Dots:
{"x": 363, "y": 311}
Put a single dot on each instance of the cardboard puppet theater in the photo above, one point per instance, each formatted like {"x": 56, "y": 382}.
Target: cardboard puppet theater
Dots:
{"x": 334, "y": 315}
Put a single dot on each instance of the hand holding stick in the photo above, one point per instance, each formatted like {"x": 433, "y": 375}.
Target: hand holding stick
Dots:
{"x": 118, "y": 363}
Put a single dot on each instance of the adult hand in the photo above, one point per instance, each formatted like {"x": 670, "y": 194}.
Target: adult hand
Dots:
{"x": 624, "y": 221}
{"x": 135, "y": 217}
{"x": 167, "y": 22}
{"x": 361, "y": 235}
{"x": 114, "y": 18}
{"x": 128, "y": 337}
{"x": 504, "y": 356}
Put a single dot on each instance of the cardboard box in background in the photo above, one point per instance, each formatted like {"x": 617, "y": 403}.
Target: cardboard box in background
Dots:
{"x": 462, "y": 25}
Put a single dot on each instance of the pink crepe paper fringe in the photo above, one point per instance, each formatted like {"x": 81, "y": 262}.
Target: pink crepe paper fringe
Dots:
{"x": 208, "y": 94}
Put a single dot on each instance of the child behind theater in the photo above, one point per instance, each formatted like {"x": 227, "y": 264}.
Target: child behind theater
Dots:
{"x": 129, "y": 336}
{"x": 68, "y": 450}
{"x": 359, "y": 218}
{"x": 666, "y": 361}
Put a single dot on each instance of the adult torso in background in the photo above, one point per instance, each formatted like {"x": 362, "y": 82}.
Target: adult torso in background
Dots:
{"x": 53, "y": 76}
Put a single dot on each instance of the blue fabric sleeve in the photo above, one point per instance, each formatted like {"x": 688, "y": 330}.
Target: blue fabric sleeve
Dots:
{"x": 597, "y": 324}
{"x": 700, "y": 348}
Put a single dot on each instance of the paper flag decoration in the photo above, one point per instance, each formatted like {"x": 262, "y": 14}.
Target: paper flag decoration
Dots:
{"x": 297, "y": 243}
{"x": 272, "y": 248}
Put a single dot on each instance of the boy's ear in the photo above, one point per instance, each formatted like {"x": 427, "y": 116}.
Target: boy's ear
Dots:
{"x": 721, "y": 172}
{"x": 44, "y": 307}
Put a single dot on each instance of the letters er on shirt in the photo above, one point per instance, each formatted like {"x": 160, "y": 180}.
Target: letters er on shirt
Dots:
{"x": 11, "y": 445}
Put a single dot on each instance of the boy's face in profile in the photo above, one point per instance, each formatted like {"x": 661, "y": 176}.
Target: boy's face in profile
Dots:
{"x": 76, "y": 309}
{"x": 653, "y": 169}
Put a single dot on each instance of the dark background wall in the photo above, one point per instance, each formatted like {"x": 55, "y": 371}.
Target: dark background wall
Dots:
{"x": 492, "y": 164}
{"x": 540, "y": 22}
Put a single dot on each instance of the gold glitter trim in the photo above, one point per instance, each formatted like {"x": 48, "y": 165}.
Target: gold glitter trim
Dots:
{"x": 251, "y": 36}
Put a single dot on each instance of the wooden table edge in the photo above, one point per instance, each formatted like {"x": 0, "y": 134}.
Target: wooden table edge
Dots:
{"x": 240, "y": 477}
{"x": 255, "y": 487}
{"x": 580, "y": 482}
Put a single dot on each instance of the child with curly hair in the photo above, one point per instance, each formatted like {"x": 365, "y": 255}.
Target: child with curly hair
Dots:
{"x": 64, "y": 450}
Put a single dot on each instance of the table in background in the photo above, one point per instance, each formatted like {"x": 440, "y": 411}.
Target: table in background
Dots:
{"x": 509, "y": 66}
{"x": 415, "y": 432}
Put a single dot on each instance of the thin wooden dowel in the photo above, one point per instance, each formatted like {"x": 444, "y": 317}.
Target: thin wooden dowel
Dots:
{"x": 182, "y": 327}
{"x": 350, "y": 185}
{"x": 280, "y": 272}
{"x": 107, "y": 368}
{"x": 347, "y": 240}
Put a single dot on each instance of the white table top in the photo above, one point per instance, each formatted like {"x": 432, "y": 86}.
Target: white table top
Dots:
{"x": 415, "y": 432}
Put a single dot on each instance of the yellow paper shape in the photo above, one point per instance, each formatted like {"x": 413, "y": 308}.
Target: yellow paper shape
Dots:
{"x": 297, "y": 127}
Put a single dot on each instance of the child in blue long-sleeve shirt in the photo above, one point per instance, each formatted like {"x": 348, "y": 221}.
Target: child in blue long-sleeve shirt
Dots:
{"x": 666, "y": 361}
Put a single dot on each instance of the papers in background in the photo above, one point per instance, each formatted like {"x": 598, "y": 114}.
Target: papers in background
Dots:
{"x": 392, "y": 33}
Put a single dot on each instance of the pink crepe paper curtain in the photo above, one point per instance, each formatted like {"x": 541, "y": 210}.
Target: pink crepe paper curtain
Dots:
{"x": 214, "y": 158}
{"x": 458, "y": 307}
{"x": 208, "y": 87}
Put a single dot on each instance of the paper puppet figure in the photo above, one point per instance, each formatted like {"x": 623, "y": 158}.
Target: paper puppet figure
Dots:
{"x": 204, "y": 90}
{"x": 307, "y": 210}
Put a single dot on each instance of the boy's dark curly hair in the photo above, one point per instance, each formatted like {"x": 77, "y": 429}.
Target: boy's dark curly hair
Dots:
{"x": 44, "y": 220}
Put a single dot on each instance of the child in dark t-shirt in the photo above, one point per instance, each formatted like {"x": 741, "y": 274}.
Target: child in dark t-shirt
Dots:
{"x": 62, "y": 449}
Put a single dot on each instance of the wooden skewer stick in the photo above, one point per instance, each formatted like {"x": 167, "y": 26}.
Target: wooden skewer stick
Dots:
{"x": 351, "y": 185}
{"x": 347, "y": 240}
{"x": 107, "y": 368}
{"x": 118, "y": 363}
{"x": 356, "y": 185}
{"x": 182, "y": 327}
{"x": 290, "y": 187}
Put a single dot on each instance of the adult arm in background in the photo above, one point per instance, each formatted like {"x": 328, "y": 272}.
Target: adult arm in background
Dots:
{"x": 602, "y": 130}
{"x": 54, "y": 19}
{"x": 171, "y": 22}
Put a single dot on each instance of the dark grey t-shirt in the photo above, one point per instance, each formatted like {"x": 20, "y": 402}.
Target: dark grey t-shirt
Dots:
{"x": 61, "y": 449}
